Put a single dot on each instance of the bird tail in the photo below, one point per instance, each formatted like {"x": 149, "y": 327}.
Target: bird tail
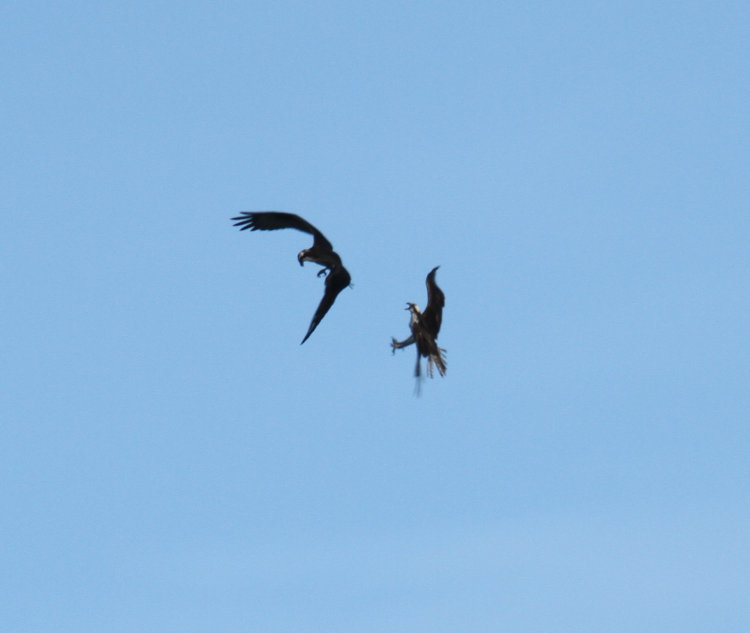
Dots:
{"x": 437, "y": 358}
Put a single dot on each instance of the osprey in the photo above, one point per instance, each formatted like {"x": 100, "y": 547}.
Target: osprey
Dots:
{"x": 321, "y": 252}
{"x": 425, "y": 327}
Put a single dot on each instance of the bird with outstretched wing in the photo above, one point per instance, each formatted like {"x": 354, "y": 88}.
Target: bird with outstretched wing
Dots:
{"x": 425, "y": 327}
{"x": 321, "y": 252}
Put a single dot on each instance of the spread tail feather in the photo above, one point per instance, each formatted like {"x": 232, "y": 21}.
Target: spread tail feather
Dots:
{"x": 439, "y": 361}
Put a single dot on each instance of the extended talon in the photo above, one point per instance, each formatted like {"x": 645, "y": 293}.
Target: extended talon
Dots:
{"x": 322, "y": 273}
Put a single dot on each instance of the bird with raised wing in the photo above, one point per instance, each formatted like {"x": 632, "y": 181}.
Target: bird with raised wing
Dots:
{"x": 321, "y": 252}
{"x": 425, "y": 327}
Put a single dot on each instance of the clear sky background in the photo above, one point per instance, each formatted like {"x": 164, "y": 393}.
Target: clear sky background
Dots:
{"x": 172, "y": 460}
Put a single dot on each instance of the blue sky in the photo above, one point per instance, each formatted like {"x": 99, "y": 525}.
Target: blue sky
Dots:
{"x": 173, "y": 460}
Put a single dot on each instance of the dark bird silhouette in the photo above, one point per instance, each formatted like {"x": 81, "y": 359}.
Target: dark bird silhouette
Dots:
{"x": 321, "y": 252}
{"x": 425, "y": 327}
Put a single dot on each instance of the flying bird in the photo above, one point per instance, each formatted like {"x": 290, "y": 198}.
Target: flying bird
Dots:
{"x": 321, "y": 252}
{"x": 425, "y": 327}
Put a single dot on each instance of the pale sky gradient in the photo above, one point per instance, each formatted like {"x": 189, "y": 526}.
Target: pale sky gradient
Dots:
{"x": 173, "y": 461}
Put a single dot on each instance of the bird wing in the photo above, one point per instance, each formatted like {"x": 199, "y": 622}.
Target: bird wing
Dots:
{"x": 272, "y": 220}
{"x": 432, "y": 317}
{"x": 399, "y": 344}
{"x": 337, "y": 280}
